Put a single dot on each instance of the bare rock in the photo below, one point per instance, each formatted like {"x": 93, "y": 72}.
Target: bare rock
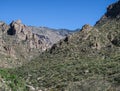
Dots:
{"x": 18, "y": 21}
{"x": 3, "y": 27}
{"x": 16, "y": 27}
{"x": 10, "y": 51}
{"x": 96, "y": 46}
{"x": 31, "y": 88}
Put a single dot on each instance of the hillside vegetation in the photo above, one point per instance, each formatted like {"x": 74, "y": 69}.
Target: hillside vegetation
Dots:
{"x": 88, "y": 60}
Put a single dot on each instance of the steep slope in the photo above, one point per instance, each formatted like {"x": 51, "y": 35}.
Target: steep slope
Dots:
{"x": 84, "y": 61}
{"x": 20, "y": 43}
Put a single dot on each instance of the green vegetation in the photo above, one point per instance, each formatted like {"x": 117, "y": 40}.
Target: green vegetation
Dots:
{"x": 51, "y": 72}
{"x": 85, "y": 61}
{"x": 89, "y": 58}
{"x": 10, "y": 81}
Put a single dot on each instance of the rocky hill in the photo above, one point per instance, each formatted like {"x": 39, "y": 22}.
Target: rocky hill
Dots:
{"x": 87, "y": 60}
{"x": 20, "y": 43}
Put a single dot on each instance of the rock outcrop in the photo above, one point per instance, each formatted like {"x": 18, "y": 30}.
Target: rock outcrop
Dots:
{"x": 113, "y": 10}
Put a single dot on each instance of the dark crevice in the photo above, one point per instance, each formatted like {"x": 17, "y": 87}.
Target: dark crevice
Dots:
{"x": 11, "y": 31}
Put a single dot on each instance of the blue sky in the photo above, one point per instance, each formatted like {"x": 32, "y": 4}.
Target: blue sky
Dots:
{"x": 69, "y": 14}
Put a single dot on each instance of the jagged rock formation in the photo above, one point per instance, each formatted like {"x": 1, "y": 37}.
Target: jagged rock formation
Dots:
{"x": 19, "y": 42}
{"x": 24, "y": 33}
